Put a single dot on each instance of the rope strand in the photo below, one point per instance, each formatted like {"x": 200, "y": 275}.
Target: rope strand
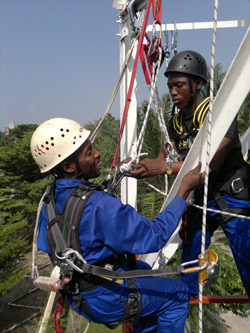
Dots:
{"x": 204, "y": 216}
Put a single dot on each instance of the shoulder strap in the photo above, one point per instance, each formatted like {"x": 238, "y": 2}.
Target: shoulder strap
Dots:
{"x": 200, "y": 113}
{"x": 60, "y": 226}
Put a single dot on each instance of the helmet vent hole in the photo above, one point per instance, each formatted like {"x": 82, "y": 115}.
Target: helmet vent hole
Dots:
{"x": 39, "y": 154}
{"x": 47, "y": 148}
{"x": 42, "y": 146}
{"x": 47, "y": 142}
{"x": 52, "y": 138}
{"x": 80, "y": 136}
{"x": 63, "y": 135}
{"x": 74, "y": 137}
{"x": 61, "y": 129}
{"x": 74, "y": 143}
{"x": 67, "y": 130}
{"x": 45, "y": 165}
{"x": 52, "y": 144}
{"x": 59, "y": 155}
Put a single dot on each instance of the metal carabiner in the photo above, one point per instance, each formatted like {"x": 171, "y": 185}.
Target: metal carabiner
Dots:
{"x": 126, "y": 167}
{"x": 167, "y": 53}
{"x": 182, "y": 270}
{"x": 174, "y": 39}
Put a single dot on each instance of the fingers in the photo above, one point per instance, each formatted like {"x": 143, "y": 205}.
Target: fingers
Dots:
{"x": 197, "y": 168}
{"x": 128, "y": 159}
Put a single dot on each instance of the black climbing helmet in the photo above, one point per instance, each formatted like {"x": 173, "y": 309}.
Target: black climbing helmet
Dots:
{"x": 189, "y": 63}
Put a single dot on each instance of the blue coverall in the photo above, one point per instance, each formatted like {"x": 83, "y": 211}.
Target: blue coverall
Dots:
{"x": 108, "y": 226}
{"x": 237, "y": 231}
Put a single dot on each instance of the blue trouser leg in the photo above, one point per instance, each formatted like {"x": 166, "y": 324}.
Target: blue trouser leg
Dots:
{"x": 237, "y": 231}
{"x": 165, "y": 304}
{"x": 238, "y": 234}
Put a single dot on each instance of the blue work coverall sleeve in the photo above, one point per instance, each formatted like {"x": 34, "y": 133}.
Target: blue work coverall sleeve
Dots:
{"x": 120, "y": 227}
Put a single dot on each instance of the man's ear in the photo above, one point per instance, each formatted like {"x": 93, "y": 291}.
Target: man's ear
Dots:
{"x": 69, "y": 167}
{"x": 199, "y": 84}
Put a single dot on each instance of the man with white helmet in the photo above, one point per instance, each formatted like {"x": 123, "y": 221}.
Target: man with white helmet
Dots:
{"x": 106, "y": 232}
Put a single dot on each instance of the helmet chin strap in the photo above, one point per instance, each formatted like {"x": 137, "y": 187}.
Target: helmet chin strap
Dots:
{"x": 192, "y": 93}
{"x": 78, "y": 174}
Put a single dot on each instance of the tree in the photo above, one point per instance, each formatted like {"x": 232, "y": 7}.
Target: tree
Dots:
{"x": 244, "y": 116}
{"x": 106, "y": 140}
{"x": 218, "y": 79}
{"x": 21, "y": 188}
{"x": 15, "y": 134}
{"x": 243, "y": 119}
{"x": 150, "y": 202}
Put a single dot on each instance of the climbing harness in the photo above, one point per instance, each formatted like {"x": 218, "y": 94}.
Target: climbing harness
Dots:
{"x": 183, "y": 138}
{"x": 73, "y": 275}
{"x": 62, "y": 233}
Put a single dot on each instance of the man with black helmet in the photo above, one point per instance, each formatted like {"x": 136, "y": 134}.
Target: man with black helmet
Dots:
{"x": 103, "y": 231}
{"x": 187, "y": 73}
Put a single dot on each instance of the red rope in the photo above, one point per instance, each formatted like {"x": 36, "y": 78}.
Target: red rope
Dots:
{"x": 131, "y": 85}
{"x": 58, "y": 314}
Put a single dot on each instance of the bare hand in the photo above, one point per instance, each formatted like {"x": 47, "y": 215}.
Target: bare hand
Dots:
{"x": 148, "y": 168}
{"x": 128, "y": 159}
{"x": 192, "y": 180}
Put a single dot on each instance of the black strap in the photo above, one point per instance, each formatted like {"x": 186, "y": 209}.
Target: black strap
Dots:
{"x": 221, "y": 203}
{"x": 118, "y": 277}
{"x": 132, "y": 311}
{"x": 237, "y": 184}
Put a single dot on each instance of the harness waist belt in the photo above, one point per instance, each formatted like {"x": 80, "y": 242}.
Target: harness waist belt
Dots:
{"x": 235, "y": 183}
{"x": 118, "y": 277}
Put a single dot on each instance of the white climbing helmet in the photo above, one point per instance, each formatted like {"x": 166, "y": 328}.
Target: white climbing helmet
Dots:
{"x": 54, "y": 140}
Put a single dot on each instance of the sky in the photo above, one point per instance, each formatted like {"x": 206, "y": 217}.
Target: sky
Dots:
{"x": 60, "y": 58}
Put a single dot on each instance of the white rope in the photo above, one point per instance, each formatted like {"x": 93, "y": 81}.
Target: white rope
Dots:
{"x": 72, "y": 320}
{"x": 203, "y": 239}
{"x": 34, "y": 268}
{"x": 87, "y": 327}
{"x": 220, "y": 212}
{"x": 153, "y": 86}
{"x": 115, "y": 91}
{"x": 153, "y": 187}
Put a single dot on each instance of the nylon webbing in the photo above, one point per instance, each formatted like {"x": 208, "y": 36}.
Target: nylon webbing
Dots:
{"x": 157, "y": 10}
{"x": 128, "y": 99}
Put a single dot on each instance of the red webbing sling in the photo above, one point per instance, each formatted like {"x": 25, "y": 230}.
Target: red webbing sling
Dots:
{"x": 157, "y": 10}
{"x": 146, "y": 48}
{"x": 131, "y": 85}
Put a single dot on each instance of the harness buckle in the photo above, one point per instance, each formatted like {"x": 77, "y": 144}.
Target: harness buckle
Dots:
{"x": 240, "y": 185}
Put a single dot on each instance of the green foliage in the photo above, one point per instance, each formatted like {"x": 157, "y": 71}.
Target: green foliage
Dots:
{"x": 244, "y": 116}
{"x": 150, "y": 204}
{"x": 21, "y": 188}
{"x": 106, "y": 140}
{"x": 218, "y": 79}
{"x": 15, "y": 134}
